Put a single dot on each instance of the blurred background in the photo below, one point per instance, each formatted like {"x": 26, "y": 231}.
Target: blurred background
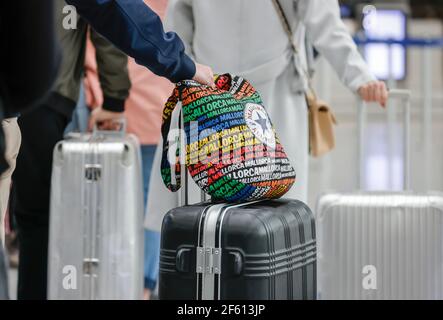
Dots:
{"x": 403, "y": 43}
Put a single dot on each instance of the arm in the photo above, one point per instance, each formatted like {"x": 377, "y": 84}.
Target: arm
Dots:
{"x": 135, "y": 29}
{"x": 180, "y": 17}
{"x": 328, "y": 34}
{"x": 112, "y": 67}
{"x": 93, "y": 91}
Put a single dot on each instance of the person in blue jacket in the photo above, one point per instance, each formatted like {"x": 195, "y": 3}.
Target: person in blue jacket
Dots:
{"x": 138, "y": 31}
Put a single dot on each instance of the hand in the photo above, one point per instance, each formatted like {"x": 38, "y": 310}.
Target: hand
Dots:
{"x": 93, "y": 92}
{"x": 204, "y": 75}
{"x": 105, "y": 118}
{"x": 374, "y": 91}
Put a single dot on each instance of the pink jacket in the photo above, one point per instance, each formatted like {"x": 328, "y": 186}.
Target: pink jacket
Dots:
{"x": 147, "y": 96}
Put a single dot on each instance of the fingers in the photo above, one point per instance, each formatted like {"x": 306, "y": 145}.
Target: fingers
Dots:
{"x": 374, "y": 92}
{"x": 364, "y": 93}
{"x": 207, "y": 76}
{"x": 109, "y": 125}
{"x": 384, "y": 95}
{"x": 92, "y": 121}
{"x": 106, "y": 120}
{"x": 204, "y": 75}
{"x": 380, "y": 93}
{"x": 377, "y": 92}
{"x": 94, "y": 118}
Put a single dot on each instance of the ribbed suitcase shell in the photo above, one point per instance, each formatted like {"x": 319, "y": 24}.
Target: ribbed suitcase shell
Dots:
{"x": 268, "y": 252}
{"x": 400, "y": 234}
{"x": 96, "y": 221}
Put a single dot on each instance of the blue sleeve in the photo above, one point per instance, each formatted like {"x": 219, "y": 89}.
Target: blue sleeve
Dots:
{"x": 138, "y": 31}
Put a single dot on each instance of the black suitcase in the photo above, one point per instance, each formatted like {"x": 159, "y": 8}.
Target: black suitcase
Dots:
{"x": 262, "y": 250}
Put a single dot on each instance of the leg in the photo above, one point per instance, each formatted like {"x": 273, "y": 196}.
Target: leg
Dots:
{"x": 12, "y": 140}
{"x": 41, "y": 130}
{"x": 3, "y": 276}
{"x": 152, "y": 256}
{"x": 152, "y": 238}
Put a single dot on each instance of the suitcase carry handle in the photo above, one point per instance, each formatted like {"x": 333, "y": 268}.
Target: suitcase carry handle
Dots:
{"x": 96, "y": 132}
{"x": 405, "y": 97}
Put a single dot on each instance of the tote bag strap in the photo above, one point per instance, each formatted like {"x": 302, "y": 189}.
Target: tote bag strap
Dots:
{"x": 167, "y": 167}
{"x": 171, "y": 165}
{"x": 286, "y": 25}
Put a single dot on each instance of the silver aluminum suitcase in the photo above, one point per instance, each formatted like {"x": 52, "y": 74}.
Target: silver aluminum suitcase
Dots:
{"x": 381, "y": 245}
{"x": 96, "y": 220}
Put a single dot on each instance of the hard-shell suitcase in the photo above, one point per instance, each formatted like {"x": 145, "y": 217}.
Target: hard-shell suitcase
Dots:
{"x": 96, "y": 219}
{"x": 262, "y": 250}
{"x": 381, "y": 245}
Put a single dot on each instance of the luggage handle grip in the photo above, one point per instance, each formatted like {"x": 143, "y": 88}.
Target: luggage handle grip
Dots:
{"x": 400, "y": 94}
{"x": 183, "y": 260}
{"x": 405, "y": 97}
{"x": 96, "y": 132}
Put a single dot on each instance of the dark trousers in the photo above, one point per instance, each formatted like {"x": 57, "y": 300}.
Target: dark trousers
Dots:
{"x": 41, "y": 129}
{"x": 3, "y": 275}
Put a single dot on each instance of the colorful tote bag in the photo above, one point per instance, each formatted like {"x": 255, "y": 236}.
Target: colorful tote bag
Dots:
{"x": 232, "y": 150}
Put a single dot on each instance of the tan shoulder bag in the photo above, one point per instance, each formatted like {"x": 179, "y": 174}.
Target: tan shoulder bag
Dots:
{"x": 320, "y": 116}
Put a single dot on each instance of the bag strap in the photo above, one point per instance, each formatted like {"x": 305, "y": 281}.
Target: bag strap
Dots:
{"x": 286, "y": 26}
{"x": 223, "y": 82}
{"x": 166, "y": 169}
{"x": 288, "y": 30}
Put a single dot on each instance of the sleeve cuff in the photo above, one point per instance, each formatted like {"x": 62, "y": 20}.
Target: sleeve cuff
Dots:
{"x": 113, "y": 104}
{"x": 186, "y": 71}
{"x": 361, "y": 80}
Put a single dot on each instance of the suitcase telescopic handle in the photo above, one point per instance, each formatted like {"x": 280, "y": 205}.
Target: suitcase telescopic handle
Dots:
{"x": 184, "y": 175}
{"x": 404, "y": 96}
{"x": 184, "y": 195}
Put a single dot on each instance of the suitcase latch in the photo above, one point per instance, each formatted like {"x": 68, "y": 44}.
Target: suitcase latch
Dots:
{"x": 93, "y": 172}
{"x": 90, "y": 267}
{"x": 208, "y": 260}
